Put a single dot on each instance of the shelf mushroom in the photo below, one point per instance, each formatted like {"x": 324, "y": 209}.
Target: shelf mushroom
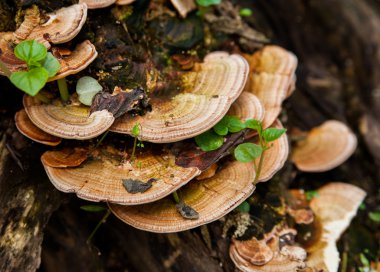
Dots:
{"x": 272, "y": 79}
{"x": 247, "y": 106}
{"x": 334, "y": 208}
{"x": 274, "y": 253}
{"x": 206, "y": 96}
{"x": 184, "y": 6}
{"x": 101, "y": 177}
{"x": 96, "y": 4}
{"x": 28, "y": 129}
{"x": 212, "y": 198}
{"x": 325, "y": 147}
{"x": 7, "y": 56}
{"x": 61, "y": 26}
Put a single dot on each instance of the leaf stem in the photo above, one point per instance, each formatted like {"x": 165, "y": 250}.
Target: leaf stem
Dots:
{"x": 102, "y": 138}
{"x": 5, "y": 69}
{"x": 103, "y": 220}
{"x": 258, "y": 172}
{"x": 63, "y": 89}
{"x": 176, "y": 197}
{"x": 134, "y": 149}
{"x": 43, "y": 98}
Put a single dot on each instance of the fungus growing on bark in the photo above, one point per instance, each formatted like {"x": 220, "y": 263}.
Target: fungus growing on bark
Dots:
{"x": 71, "y": 121}
{"x": 61, "y": 26}
{"x": 325, "y": 147}
{"x": 28, "y": 129}
{"x": 107, "y": 176}
{"x": 203, "y": 99}
{"x": 212, "y": 198}
{"x": 184, "y": 6}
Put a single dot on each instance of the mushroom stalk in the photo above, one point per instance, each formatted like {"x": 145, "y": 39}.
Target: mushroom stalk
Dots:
{"x": 5, "y": 69}
{"x": 63, "y": 89}
{"x": 103, "y": 220}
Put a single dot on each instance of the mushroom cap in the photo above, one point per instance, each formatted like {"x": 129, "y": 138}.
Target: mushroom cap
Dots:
{"x": 247, "y": 106}
{"x": 124, "y": 2}
{"x": 69, "y": 157}
{"x": 28, "y": 129}
{"x": 275, "y": 157}
{"x": 67, "y": 121}
{"x": 212, "y": 198}
{"x": 272, "y": 79}
{"x": 284, "y": 258}
{"x": 206, "y": 98}
{"x": 61, "y": 27}
{"x": 101, "y": 178}
{"x": 7, "y": 56}
{"x": 325, "y": 147}
{"x": 95, "y": 4}
{"x": 334, "y": 207}
{"x": 184, "y": 6}
{"x": 251, "y": 251}
{"x": 81, "y": 57}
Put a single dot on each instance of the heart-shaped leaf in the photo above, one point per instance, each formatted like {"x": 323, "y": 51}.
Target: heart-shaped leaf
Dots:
{"x": 51, "y": 64}
{"x": 247, "y": 152}
{"x": 31, "y": 81}
{"x": 30, "y": 51}
{"x": 209, "y": 141}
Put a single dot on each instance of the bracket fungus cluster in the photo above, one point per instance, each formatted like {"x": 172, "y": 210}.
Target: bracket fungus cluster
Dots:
{"x": 206, "y": 185}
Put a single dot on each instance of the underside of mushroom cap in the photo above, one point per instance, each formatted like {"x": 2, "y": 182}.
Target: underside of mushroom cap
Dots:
{"x": 67, "y": 121}
{"x": 28, "y": 129}
{"x": 212, "y": 198}
{"x": 204, "y": 99}
{"x": 272, "y": 79}
{"x": 61, "y": 27}
{"x": 79, "y": 59}
{"x": 184, "y": 6}
{"x": 334, "y": 207}
{"x": 325, "y": 147}
{"x": 101, "y": 177}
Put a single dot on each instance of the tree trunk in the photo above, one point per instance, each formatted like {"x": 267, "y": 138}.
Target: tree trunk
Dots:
{"x": 338, "y": 46}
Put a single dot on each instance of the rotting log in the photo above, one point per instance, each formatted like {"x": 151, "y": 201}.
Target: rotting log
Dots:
{"x": 338, "y": 45}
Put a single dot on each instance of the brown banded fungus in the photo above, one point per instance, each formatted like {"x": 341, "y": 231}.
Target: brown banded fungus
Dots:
{"x": 184, "y": 6}
{"x": 61, "y": 26}
{"x": 212, "y": 198}
{"x": 276, "y": 252}
{"x": 325, "y": 147}
{"x": 334, "y": 208}
{"x": 71, "y": 121}
{"x": 7, "y": 57}
{"x": 247, "y": 106}
{"x": 107, "y": 176}
{"x": 28, "y": 129}
{"x": 96, "y": 4}
{"x": 206, "y": 96}
{"x": 272, "y": 79}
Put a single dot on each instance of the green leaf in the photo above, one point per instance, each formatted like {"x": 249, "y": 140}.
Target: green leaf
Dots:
{"x": 221, "y": 128}
{"x": 209, "y": 141}
{"x": 51, "y": 64}
{"x": 87, "y": 87}
{"x": 234, "y": 124}
{"x": 364, "y": 259}
{"x": 254, "y": 124}
{"x": 245, "y": 12}
{"x": 31, "y": 81}
{"x": 247, "y": 152}
{"x": 207, "y": 3}
{"x": 272, "y": 134}
{"x": 30, "y": 51}
{"x": 136, "y": 130}
{"x": 375, "y": 216}
{"x": 311, "y": 194}
{"x": 244, "y": 207}
{"x": 93, "y": 208}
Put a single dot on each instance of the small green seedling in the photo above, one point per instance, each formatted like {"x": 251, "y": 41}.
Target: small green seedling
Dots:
{"x": 311, "y": 194}
{"x": 366, "y": 266}
{"x": 374, "y": 216}
{"x": 137, "y": 143}
{"x": 93, "y": 208}
{"x": 41, "y": 66}
{"x": 245, "y": 12}
{"x": 244, "y": 207}
{"x": 207, "y": 3}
